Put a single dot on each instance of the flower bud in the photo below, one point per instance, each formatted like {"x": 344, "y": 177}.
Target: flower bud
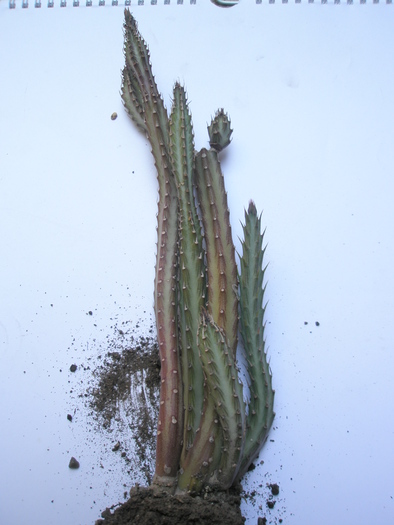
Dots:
{"x": 220, "y": 131}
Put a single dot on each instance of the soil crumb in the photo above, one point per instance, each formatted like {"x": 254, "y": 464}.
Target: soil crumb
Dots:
{"x": 149, "y": 506}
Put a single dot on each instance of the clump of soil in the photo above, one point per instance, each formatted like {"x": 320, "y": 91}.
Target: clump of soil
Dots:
{"x": 149, "y": 506}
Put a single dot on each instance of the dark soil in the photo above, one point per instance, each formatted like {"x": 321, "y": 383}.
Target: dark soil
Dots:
{"x": 148, "y": 506}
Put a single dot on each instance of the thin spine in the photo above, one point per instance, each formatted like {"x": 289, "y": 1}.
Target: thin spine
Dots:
{"x": 226, "y": 391}
{"x": 191, "y": 273}
{"x": 260, "y": 413}
{"x": 141, "y": 90}
{"x": 221, "y": 265}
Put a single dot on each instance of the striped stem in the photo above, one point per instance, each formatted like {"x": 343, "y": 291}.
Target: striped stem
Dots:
{"x": 221, "y": 265}
{"x": 226, "y": 391}
{"x": 146, "y": 108}
{"x": 260, "y": 413}
{"x": 203, "y": 457}
{"x": 191, "y": 273}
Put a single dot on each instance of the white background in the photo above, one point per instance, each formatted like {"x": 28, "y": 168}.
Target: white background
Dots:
{"x": 309, "y": 89}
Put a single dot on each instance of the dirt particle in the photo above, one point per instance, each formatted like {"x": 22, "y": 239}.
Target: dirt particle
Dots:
{"x": 274, "y": 489}
{"x": 251, "y": 467}
{"x": 74, "y": 464}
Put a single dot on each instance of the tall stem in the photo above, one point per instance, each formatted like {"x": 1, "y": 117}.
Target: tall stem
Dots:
{"x": 145, "y": 106}
{"x": 191, "y": 272}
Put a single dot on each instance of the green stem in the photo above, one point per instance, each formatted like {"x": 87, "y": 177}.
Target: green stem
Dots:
{"x": 191, "y": 274}
{"x": 146, "y": 108}
{"x": 221, "y": 265}
{"x": 203, "y": 457}
{"x": 226, "y": 391}
{"x": 260, "y": 413}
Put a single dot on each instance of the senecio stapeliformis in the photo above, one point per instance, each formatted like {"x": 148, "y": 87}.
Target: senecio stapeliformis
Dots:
{"x": 207, "y": 434}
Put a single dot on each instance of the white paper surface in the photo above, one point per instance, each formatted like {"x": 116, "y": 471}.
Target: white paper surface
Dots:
{"x": 309, "y": 89}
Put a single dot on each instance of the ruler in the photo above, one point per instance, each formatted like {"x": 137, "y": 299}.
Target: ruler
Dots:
{"x": 24, "y": 4}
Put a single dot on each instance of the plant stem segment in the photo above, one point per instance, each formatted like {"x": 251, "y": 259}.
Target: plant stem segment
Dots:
{"x": 191, "y": 274}
{"x": 145, "y": 106}
{"x": 225, "y": 389}
{"x": 260, "y": 413}
{"x": 221, "y": 265}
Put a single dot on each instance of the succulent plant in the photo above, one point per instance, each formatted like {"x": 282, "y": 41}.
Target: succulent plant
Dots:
{"x": 207, "y": 433}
